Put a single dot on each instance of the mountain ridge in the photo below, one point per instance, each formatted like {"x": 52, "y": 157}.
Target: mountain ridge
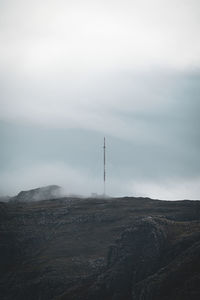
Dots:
{"x": 116, "y": 248}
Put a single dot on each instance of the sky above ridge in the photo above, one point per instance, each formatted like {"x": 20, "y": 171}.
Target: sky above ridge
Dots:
{"x": 72, "y": 72}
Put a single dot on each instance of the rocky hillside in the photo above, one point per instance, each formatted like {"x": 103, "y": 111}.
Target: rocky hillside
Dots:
{"x": 42, "y": 193}
{"x": 100, "y": 249}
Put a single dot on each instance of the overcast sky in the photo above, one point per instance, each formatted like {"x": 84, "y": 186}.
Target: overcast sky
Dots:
{"x": 72, "y": 72}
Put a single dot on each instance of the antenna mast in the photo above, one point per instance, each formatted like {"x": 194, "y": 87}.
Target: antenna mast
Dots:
{"x": 104, "y": 166}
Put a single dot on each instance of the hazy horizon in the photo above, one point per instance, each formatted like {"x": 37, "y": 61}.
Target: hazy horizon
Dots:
{"x": 72, "y": 72}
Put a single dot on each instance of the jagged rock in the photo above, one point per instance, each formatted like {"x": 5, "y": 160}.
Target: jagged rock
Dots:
{"x": 42, "y": 193}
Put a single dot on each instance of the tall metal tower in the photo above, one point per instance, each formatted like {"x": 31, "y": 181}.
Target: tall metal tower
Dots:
{"x": 104, "y": 167}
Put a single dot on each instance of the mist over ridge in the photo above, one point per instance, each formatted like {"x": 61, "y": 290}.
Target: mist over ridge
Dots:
{"x": 73, "y": 72}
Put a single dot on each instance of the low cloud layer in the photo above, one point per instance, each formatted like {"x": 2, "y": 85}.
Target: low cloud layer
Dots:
{"x": 73, "y": 72}
{"x": 81, "y": 182}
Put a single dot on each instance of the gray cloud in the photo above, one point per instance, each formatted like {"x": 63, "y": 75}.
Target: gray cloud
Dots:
{"x": 72, "y": 73}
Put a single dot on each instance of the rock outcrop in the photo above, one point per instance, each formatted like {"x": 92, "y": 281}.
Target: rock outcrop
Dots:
{"x": 42, "y": 193}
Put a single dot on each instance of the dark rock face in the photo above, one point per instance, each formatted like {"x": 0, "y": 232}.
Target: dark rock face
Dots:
{"x": 102, "y": 249}
{"x": 135, "y": 256}
{"x": 179, "y": 279}
{"x": 43, "y": 193}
